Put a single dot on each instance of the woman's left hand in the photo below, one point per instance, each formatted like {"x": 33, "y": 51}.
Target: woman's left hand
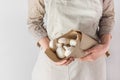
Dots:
{"x": 95, "y": 52}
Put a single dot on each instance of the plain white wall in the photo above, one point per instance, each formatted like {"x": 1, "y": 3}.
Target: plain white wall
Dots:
{"x": 18, "y": 51}
{"x": 113, "y": 62}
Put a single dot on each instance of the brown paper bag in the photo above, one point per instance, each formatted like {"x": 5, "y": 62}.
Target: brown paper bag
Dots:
{"x": 83, "y": 42}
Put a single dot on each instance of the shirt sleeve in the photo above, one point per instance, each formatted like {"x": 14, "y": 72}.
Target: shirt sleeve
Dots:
{"x": 107, "y": 20}
{"x": 36, "y": 11}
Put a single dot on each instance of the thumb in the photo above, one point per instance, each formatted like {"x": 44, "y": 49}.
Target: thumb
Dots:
{"x": 61, "y": 62}
{"x": 86, "y": 58}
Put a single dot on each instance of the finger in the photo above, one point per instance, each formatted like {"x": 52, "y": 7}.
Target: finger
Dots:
{"x": 61, "y": 62}
{"x": 87, "y": 58}
{"x": 88, "y": 51}
{"x": 72, "y": 58}
{"x": 64, "y": 61}
{"x": 69, "y": 61}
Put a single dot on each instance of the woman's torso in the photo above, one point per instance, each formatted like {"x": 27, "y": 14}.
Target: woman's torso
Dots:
{"x": 60, "y": 17}
{"x": 63, "y": 15}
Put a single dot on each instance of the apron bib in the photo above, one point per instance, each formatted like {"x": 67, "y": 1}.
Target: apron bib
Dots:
{"x": 62, "y": 16}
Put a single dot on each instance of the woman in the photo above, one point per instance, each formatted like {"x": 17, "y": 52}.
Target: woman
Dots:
{"x": 49, "y": 19}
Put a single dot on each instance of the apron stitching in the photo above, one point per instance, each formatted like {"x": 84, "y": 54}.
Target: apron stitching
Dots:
{"x": 68, "y": 72}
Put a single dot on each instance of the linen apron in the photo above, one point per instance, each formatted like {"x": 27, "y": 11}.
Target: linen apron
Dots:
{"x": 62, "y": 16}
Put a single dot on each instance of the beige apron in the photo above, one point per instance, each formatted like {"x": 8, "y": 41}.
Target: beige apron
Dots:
{"x": 62, "y": 16}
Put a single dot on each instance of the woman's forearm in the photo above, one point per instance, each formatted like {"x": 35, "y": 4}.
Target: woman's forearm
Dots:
{"x": 44, "y": 42}
{"x": 105, "y": 39}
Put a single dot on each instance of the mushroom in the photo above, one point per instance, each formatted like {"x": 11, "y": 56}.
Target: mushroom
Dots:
{"x": 60, "y": 51}
{"x": 68, "y": 50}
{"x": 63, "y": 41}
{"x": 52, "y": 45}
{"x": 73, "y": 42}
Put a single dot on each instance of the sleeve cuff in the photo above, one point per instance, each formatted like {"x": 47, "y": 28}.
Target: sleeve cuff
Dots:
{"x": 104, "y": 31}
{"x": 38, "y": 39}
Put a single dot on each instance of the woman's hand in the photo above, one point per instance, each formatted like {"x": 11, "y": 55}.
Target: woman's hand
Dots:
{"x": 95, "y": 52}
{"x": 44, "y": 42}
{"x": 65, "y": 62}
{"x": 99, "y": 49}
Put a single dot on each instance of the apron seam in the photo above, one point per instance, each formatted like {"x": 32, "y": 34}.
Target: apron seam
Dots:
{"x": 68, "y": 73}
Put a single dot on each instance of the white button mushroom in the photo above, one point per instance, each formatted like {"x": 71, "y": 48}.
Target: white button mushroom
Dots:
{"x": 73, "y": 42}
{"x": 68, "y": 50}
{"x": 60, "y": 52}
{"x": 52, "y": 44}
{"x": 63, "y": 41}
{"x": 59, "y": 46}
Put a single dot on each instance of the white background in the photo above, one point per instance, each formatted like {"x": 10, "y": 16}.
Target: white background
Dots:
{"x": 18, "y": 51}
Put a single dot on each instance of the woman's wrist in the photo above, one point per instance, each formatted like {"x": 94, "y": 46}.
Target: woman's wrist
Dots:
{"x": 44, "y": 42}
{"x": 105, "y": 39}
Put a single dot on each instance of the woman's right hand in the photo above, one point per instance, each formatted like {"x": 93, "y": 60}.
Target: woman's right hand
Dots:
{"x": 44, "y": 42}
{"x": 65, "y": 62}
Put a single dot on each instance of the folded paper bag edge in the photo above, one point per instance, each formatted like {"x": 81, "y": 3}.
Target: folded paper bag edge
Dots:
{"x": 52, "y": 55}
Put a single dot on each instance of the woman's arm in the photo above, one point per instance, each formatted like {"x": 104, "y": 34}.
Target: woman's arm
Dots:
{"x": 107, "y": 20}
{"x": 105, "y": 27}
{"x": 99, "y": 49}
{"x": 44, "y": 42}
{"x": 105, "y": 39}
{"x": 36, "y": 11}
